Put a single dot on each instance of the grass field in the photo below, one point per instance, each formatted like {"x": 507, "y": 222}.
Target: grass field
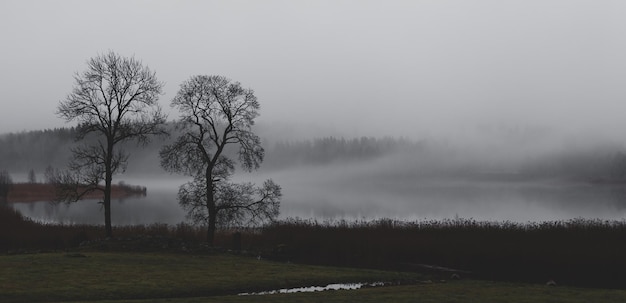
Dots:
{"x": 580, "y": 252}
{"x": 165, "y": 277}
{"x": 50, "y": 277}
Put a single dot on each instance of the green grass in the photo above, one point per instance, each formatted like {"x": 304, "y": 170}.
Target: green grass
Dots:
{"x": 164, "y": 277}
{"x": 115, "y": 276}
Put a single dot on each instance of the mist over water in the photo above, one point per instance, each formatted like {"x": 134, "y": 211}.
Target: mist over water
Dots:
{"x": 487, "y": 172}
{"x": 374, "y": 189}
{"x": 158, "y": 206}
{"x": 352, "y": 193}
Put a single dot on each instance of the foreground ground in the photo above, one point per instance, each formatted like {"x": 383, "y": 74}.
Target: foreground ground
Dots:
{"x": 167, "y": 277}
{"x": 578, "y": 252}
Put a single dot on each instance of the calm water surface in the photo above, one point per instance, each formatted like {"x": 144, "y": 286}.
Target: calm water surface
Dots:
{"x": 324, "y": 195}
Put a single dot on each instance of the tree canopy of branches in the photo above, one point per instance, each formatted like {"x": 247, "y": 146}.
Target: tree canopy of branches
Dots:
{"x": 216, "y": 113}
{"x": 114, "y": 100}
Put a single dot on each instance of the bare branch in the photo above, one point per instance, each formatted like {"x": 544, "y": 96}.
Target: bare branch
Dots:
{"x": 216, "y": 112}
{"x": 113, "y": 100}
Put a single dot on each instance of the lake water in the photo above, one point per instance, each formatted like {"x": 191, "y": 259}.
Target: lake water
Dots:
{"x": 323, "y": 194}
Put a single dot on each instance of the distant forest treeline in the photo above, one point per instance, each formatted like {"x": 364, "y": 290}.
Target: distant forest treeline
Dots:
{"x": 20, "y": 152}
{"x": 329, "y": 150}
{"x": 36, "y": 150}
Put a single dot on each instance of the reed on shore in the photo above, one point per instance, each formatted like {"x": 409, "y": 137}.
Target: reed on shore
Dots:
{"x": 582, "y": 252}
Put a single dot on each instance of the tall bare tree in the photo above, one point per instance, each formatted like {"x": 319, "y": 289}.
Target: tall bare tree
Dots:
{"x": 114, "y": 100}
{"x": 216, "y": 113}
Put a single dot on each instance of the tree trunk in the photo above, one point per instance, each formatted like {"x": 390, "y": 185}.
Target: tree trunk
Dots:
{"x": 107, "y": 208}
{"x": 108, "y": 177}
{"x": 211, "y": 209}
{"x": 210, "y": 235}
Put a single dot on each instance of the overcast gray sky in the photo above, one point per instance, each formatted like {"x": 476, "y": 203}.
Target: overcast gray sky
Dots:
{"x": 381, "y": 67}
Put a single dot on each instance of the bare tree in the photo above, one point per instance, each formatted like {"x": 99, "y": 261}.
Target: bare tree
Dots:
{"x": 32, "y": 178}
{"x": 114, "y": 100}
{"x": 5, "y": 186}
{"x": 216, "y": 113}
